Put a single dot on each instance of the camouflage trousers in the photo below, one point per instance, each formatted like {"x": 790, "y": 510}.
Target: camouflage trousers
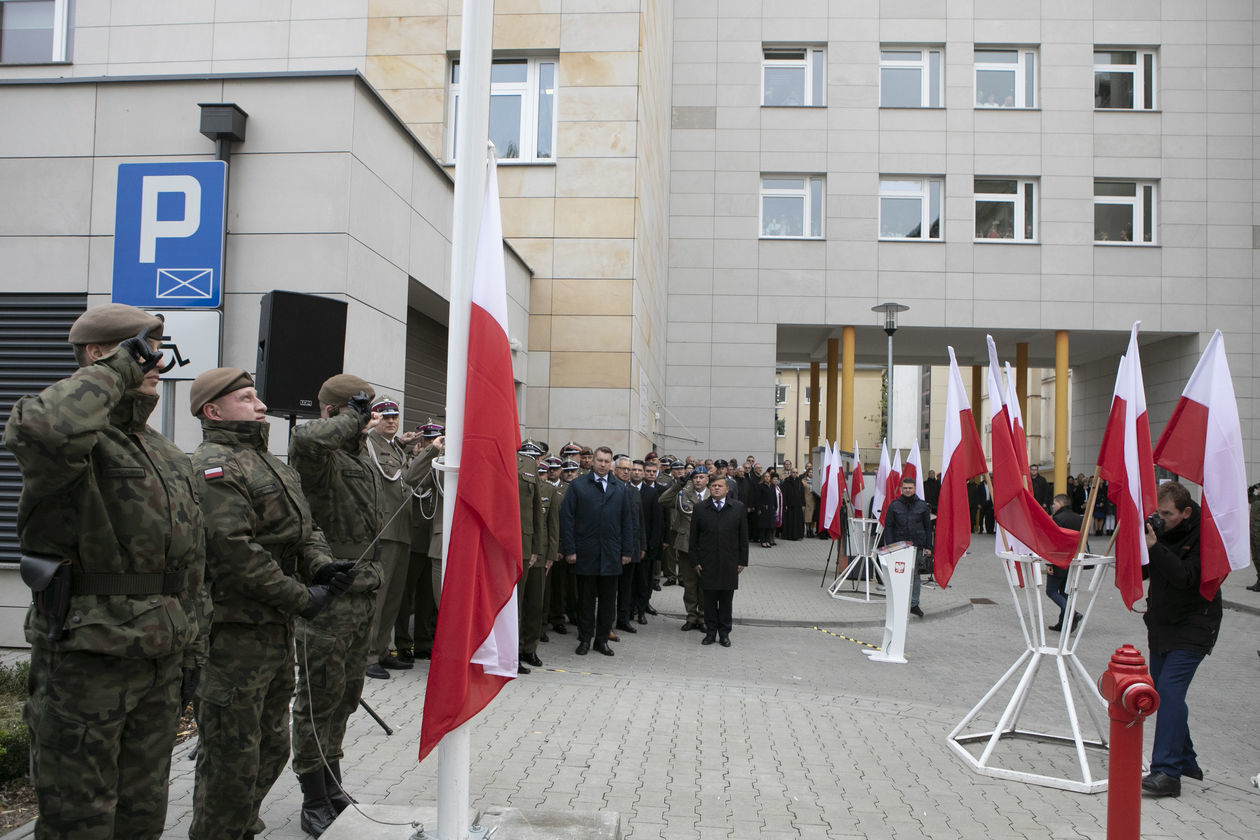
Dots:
{"x": 243, "y": 720}
{"x": 102, "y": 729}
{"x": 331, "y": 650}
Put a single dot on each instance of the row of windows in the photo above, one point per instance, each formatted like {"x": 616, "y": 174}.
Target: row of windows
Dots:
{"x": 914, "y": 77}
{"x": 911, "y": 208}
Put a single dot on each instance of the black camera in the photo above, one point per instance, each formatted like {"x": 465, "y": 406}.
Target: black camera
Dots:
{"x": 1156, "y": 522}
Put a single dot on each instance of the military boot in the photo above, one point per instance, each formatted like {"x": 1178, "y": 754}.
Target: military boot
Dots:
{"x": 336, "y": 795}
{"x": 317, "y": 812}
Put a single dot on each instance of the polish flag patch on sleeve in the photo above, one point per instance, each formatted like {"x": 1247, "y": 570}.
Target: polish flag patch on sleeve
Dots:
{"x": 213, "y": 472}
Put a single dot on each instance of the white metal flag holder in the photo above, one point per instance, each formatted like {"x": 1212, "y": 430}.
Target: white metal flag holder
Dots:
{"x": 863, "y": 539}
{"x": 1026, "y": 578}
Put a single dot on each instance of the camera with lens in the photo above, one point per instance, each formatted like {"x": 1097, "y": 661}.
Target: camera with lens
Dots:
{"x": 1156, "y": 522}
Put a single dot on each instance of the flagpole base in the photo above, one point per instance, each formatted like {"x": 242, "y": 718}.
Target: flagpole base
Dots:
{"x": 452, "y": 784}
{"x": 863, "y": 537}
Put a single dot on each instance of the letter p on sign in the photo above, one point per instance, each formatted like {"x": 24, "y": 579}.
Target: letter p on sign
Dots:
{"x": 151, "y": 227}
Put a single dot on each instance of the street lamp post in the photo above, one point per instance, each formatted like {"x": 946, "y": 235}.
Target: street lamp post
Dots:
{"x": 890, "y": 311}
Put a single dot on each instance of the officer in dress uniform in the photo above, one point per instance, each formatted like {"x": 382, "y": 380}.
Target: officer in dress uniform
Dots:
{"x": 114, "y": 552}
{"x": 424, "y": 571}
{"x": 550, "y": 487}
{"x": 529, "y": 590}
{"x": 563, "y": 583}
{"x": 683, "y": 498}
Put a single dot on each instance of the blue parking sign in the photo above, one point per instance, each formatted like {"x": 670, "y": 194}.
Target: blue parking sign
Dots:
{"x": 168, "y": 234}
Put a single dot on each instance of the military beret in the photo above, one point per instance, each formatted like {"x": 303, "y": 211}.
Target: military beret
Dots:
{"x": 530, "y": 448}
{"x": 385, "y": 407}
{"x": 720, "y": 462}
{"x": 215, "y": 383}
{"x": 571, "y": 448}
{"x": 570, "y": 464}
{"x": 110, "y": 323}
{"x": 432, "y": 430}
{"x": 700, "y": 470}
{"x": 337, "y": 390}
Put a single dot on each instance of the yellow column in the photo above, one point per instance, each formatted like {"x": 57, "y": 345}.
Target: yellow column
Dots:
{"x": 846, "y": 387}
{"x": 1021, "y": 379}
{"x": 1060, "y": 411}
{"x": 814, "y": 399}
{"x": 976, "y": 413}
{"x": 833, "y": 363}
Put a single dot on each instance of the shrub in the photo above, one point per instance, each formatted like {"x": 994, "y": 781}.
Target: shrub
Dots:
{"x": 15, "y": 740}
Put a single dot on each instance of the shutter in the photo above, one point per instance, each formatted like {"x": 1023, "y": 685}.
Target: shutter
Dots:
{"x": 425, "y": 390}
{"x": 33, "y": 355}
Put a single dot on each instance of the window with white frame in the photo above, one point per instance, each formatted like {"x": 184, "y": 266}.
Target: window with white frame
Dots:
{"x": 1124, "y": 212}
{"x": 791, "y": 206}
{"x": 1006, "y": 77}
{"x": 1124, "y": 79}
{"x": 1006, "y": 209}
{"x": 910, "y": 208}
{"x": 34, "y": 31}
{"x": 522, "y": 108}
{"x": 792, "y": 76}
{"x": 780, "y": 394}
{"x": 910, "y": 77}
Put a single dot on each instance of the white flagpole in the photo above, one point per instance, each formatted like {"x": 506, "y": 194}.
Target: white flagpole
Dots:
{"x": 472, "y": 129}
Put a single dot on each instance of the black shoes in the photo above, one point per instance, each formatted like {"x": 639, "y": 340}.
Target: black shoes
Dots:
{"x": 602, "y": 647}
{"x": 317, "y": 812}
{"x": 1255, "y": 587}
{"x": 583, "y": 648}
{"x": 560, "y": 629}
{"x": 521, "y": 669}
{"x": 641, "y": 617}
{"x": 725, "y": 641}
{"x": 669, "y": 581}
{"x": 708, "y": 639}
{"x": 531, "y": 659}
{"x": 1196, "y": 773}
{"x": 651, "y": 610}
{"x": 396, "y": 663}
{"x": 543, "y": 637}
{"x": 337, "y": 797}
{"x": 1161, "y": 784}
{"x": 376, "y": 672}
{"x": 690, "y": 625}
{"x": 626, "y": 627}
{"x": 405, "y": 655}
{"x": 915, "y": 610}
{"x": 656, "y": 586}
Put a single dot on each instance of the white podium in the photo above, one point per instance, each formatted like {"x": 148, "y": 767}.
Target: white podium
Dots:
{"x": 897, "y": 565}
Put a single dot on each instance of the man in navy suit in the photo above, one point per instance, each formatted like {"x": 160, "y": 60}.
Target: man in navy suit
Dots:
{"x": 597, "y": 538}
{"x": 719, "y": 553}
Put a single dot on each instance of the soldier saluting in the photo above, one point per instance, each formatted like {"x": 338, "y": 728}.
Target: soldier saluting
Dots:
{"x": 113, "y": 549}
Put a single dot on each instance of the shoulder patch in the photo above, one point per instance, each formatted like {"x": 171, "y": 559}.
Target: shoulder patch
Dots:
{"x": 212, "y": 473}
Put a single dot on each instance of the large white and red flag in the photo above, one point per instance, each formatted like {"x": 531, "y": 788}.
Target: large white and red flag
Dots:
{"x": 914, "y": 469}
{"x": 962, "y": 459}
{"x": 892, "y": 485}
{"x": 824, "y": 490}
{"x": 1014, "y": 507}
{"x": 835, "y": 525}
{"x": 475, "y": 649}
{"x": 857, "y": 483}
{"x": 1203, "y": 443}
{"x": 1006, "y": 541}
{"x": 881, "y": 482}
{"x": 1125, "y": 462}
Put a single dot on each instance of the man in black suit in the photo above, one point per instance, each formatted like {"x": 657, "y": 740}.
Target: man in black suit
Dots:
{"x": 1041, "y": 489}
{"x": 654, "y": 531}
{"x": 719, "y": 552}
{"x": 597, "y": 538}
{"x": 624, "y": 469}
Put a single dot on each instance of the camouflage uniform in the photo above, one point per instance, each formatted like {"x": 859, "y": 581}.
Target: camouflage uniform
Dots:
{"x": 344, "y": 490}
{"x": 115, "y": 498}
{"x": 529, "y": 589}
{"x": 259, "y": 532}
{"x": 424, "y": 569}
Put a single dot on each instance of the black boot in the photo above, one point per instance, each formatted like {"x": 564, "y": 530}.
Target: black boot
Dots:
{"x": 317, "y": 812}
{"x": 336, "y": 795}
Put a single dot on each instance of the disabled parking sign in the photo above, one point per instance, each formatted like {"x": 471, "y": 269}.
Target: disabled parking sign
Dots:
{"x": 168, "y": 234}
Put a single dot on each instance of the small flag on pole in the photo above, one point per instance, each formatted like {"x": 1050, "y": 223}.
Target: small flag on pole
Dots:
{"x": 962, "y": 459}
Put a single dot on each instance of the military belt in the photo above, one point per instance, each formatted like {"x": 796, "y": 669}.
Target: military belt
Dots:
{"x": 348, "y": 550}
{"x": 157, "y": 583}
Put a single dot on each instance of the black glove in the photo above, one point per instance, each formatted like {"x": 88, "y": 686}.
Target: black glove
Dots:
{"x": 362, "y": 403}
{"x": 340, "y": 583}
{"x": 138, "y": 347}
{"x": 326, "y": 573}
{"x": 321, "y": 597}
{"x": 188, "y": 686}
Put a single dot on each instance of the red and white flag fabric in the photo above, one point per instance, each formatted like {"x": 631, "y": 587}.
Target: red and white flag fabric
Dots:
{"x": 835, "y": 526}
{"x": 892, "y": 485}
{"x": 1125, "y": 462}
{"x": 881, "y": 482}
{"x": 824, "y": 491}
{"x": 1014, "y": 507}
{"x": 857, "y": 483}
{"x": 476, "y": 646}
{"x": 1004, "y": 540}
{"x": 1203, "y": 443}
{"x": 962, "y": 459}
{"x": 914, "y": 469}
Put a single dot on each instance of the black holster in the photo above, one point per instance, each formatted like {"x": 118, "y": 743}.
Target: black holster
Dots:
{"x": 49, "y": 582}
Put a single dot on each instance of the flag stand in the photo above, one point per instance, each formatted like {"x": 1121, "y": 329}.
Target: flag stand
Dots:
{"x": 863, "y": 539}
{"x": 1027, "y": 580}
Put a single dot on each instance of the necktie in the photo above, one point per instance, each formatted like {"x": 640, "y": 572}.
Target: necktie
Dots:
{"x": 719, "y": 505}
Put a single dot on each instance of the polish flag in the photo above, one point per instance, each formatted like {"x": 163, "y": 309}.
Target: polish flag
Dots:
{"x": 1006, "y": 541}
{"x": 881, "y": 482}
{"x": 824, "y": 490}
{"x": 1203, "y": 443}
{"x": 962, "y": 459}
{"x": 1124, "y": 460}
{"x": 836, "y": 502}
{"x": 892, "y": 485}
{"x": 1014, "y": 507}
{"x": 914, "y": 469}
{"x": 476, "y": 646}
{"x": 857, "y": 483}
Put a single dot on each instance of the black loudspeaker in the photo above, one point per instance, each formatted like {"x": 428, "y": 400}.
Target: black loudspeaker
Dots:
{"x": 301, "y": 342}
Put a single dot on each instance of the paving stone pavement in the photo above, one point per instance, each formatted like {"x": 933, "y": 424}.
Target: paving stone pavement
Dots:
{"x": 791, "y": 732}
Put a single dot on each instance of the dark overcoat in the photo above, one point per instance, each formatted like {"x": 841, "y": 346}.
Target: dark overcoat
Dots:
{"x": 596, "y": 525}
{"x": 719, "y": 543}
{"x": 767, "y": 505}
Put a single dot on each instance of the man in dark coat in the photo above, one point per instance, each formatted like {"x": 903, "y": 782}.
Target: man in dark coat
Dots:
{"x": 1056, "y": 578}
{"x": 932, "y": 490}
{"x": 719, "y": 553}
{"x": 624, "y": 470}
{"x": 1041, "y": 489}
{"x": 910, "y": 520}
{"x": 1181, "y": 628}
{"x": 654, "y": 529}
{"x": 793, "y": 504}
{"x": 597, "y": 537}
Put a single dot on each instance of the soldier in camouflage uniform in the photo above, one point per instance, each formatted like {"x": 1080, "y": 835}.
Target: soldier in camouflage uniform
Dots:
{"x": 344, "y": 490}
{"x": 110, "y": 506}
{"x": 529, "y": 589}
{"x": 259, "y": 535}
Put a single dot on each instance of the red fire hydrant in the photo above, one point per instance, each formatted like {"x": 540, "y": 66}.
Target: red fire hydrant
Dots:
{"x": 1131, "y": 698}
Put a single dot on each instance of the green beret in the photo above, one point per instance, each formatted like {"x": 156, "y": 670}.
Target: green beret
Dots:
{"x": 215, "y": 383}
{"x": 111, "y": 323}
{"x": 337, "y": 390}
